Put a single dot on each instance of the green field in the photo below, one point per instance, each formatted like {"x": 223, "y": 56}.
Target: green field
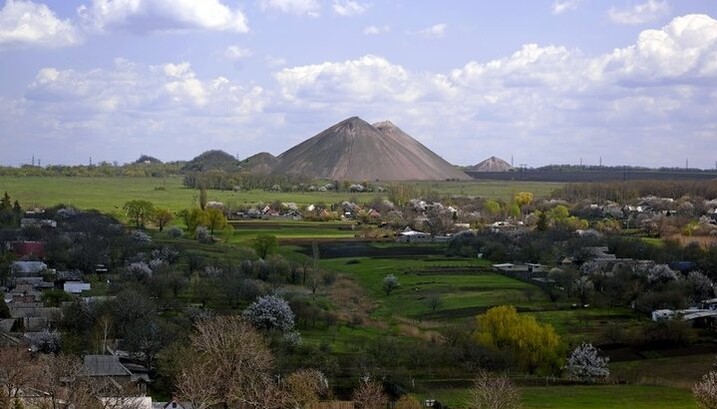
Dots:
{"x": 585, "y": 397}
{"x": 109, "y": 194}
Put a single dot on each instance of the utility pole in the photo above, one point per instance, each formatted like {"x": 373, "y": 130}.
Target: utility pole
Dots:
{"x": 33, "y": 160}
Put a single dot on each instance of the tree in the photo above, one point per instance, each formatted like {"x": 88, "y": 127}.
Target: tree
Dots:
{"x": 265, "y": 244}
{"x": 162, "y": 217}
{"x": 437, "y": 221}
{"x": 390, "y": 283}
{"x": 194, "y": 218}
{"x": 533, "y": 346}
{"x": 5, "y": 202}
{"x": 585, "y": 365}
{"x": 230, "y": 364}
{"x": 306, "y": 387}
{"x": 705, "y": 391}
{"x": 139, "y": 211}
{"x": 523, "y": 199}
{"x": 315, "y": 279}
{"x": 369, "y": 395}
{"x": 203, "y": 198}
{"x": 270, "y": 313}
{"x": 408, "y": 402}
{"x": 215, "y": 219}
{"x": 583, "y": 287}
{"x": 17, "y": 372}
{"x": 493, "y": 392}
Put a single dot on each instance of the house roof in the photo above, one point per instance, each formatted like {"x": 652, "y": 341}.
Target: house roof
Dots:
{"x": 104, "y": 365}
{"x": 28, "y": 266}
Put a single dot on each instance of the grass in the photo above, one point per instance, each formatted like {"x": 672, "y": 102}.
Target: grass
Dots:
{"x": 680, "y": 371}
{"x": 464, "y": 286}
{"x": 585, "y": 397}
{"x": 244, "y": 232}
{"x": 108, "y": 194}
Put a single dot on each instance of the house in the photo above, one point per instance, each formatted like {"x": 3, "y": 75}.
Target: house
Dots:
{"x": 109, "y": 366}
{"x": 27, "y": 222}
{"x": 133, "y": 402}
{"x": 76, "y": 287}
{"x": 27, "y": 268}
{"x": 28, "y": 249}
{"x": 409, "y": 235}
{"x": 175, "y": 403}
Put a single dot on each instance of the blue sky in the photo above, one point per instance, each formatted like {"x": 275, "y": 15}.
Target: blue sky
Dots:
{"x": 545, "y": 81}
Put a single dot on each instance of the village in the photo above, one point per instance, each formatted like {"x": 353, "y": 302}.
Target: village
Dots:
{"x": 58, "y": 262}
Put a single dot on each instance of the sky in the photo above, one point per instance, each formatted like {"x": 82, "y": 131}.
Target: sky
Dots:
{"x": 625, "y": 82}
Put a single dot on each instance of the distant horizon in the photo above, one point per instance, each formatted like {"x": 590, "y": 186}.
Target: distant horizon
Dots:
{"x": 517, "y": 166}
{"x": 631, "y": 81}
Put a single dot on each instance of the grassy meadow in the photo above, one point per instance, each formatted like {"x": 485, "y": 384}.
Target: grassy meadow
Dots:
{"x": 584, "y": 397}
{"x": 435, "y": 292}
{"x": 110, "y": 193}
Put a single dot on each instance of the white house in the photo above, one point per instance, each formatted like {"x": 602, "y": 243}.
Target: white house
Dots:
{"x": 76, "y": 287}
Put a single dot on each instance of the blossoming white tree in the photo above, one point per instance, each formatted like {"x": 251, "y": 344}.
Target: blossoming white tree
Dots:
{"x": 584, "y": 364}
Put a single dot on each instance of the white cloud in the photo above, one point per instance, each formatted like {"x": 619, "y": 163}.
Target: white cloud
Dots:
{"x": 642, "y": 13}
{"x": 538, "y": 96}
{"x": 434, "y": 31}
{"x": 684, "y": 51}
{"x": 235, "y": 52}
{"x": 349, "y": 7}
{"x": 274, "y": 62}
{"x": 376, "y": 30}
{"x": 562, "y": 6}
{"x": 162, "y": 15}
{"x": 310, "y": 8}
{"x": 24, "y": 23}
{"x": 131, "y": 102}
{"x": 369, "y": 78}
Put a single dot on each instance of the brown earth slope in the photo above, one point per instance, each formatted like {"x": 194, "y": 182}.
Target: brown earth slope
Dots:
{"x": 492, "y": 164}
{"x": 262, "y": 162}
{"x": 355, "y": 150}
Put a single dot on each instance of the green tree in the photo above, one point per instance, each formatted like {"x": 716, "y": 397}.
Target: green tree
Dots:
{"x": 523, "y": 198}
{"x": 492, "y": 207}
{"x": 193, "y": 218}
{"x": 162, "y": 217}
{"x": 215, "y": 219}
{"x": 265, "y": 244}
{"x": 534, "y": 346}
{"x": 139, "y": 211}
{"x": 5, "y": 202}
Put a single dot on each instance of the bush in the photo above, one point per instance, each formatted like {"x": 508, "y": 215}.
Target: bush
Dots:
{"x": 203, "y": 236}
{"x": 175, "y": 232}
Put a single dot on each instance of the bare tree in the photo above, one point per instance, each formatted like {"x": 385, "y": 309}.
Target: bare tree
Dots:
{"x": 705, "y": 391}
{"x": 230, "y": 364}
{"x": 306, "y": 386}
{"x": 17, "y": 371}
{"x": 370, "y": 395}
{"x": 493, "y": 392}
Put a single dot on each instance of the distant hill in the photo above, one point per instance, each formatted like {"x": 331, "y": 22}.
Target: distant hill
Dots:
{"x": 353, "y": 149}
{"x": 210, "y": 160}
{"x": 492, "y": 164}
{"x": 147, "y": 159}
{"x": 262, "y": 162}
